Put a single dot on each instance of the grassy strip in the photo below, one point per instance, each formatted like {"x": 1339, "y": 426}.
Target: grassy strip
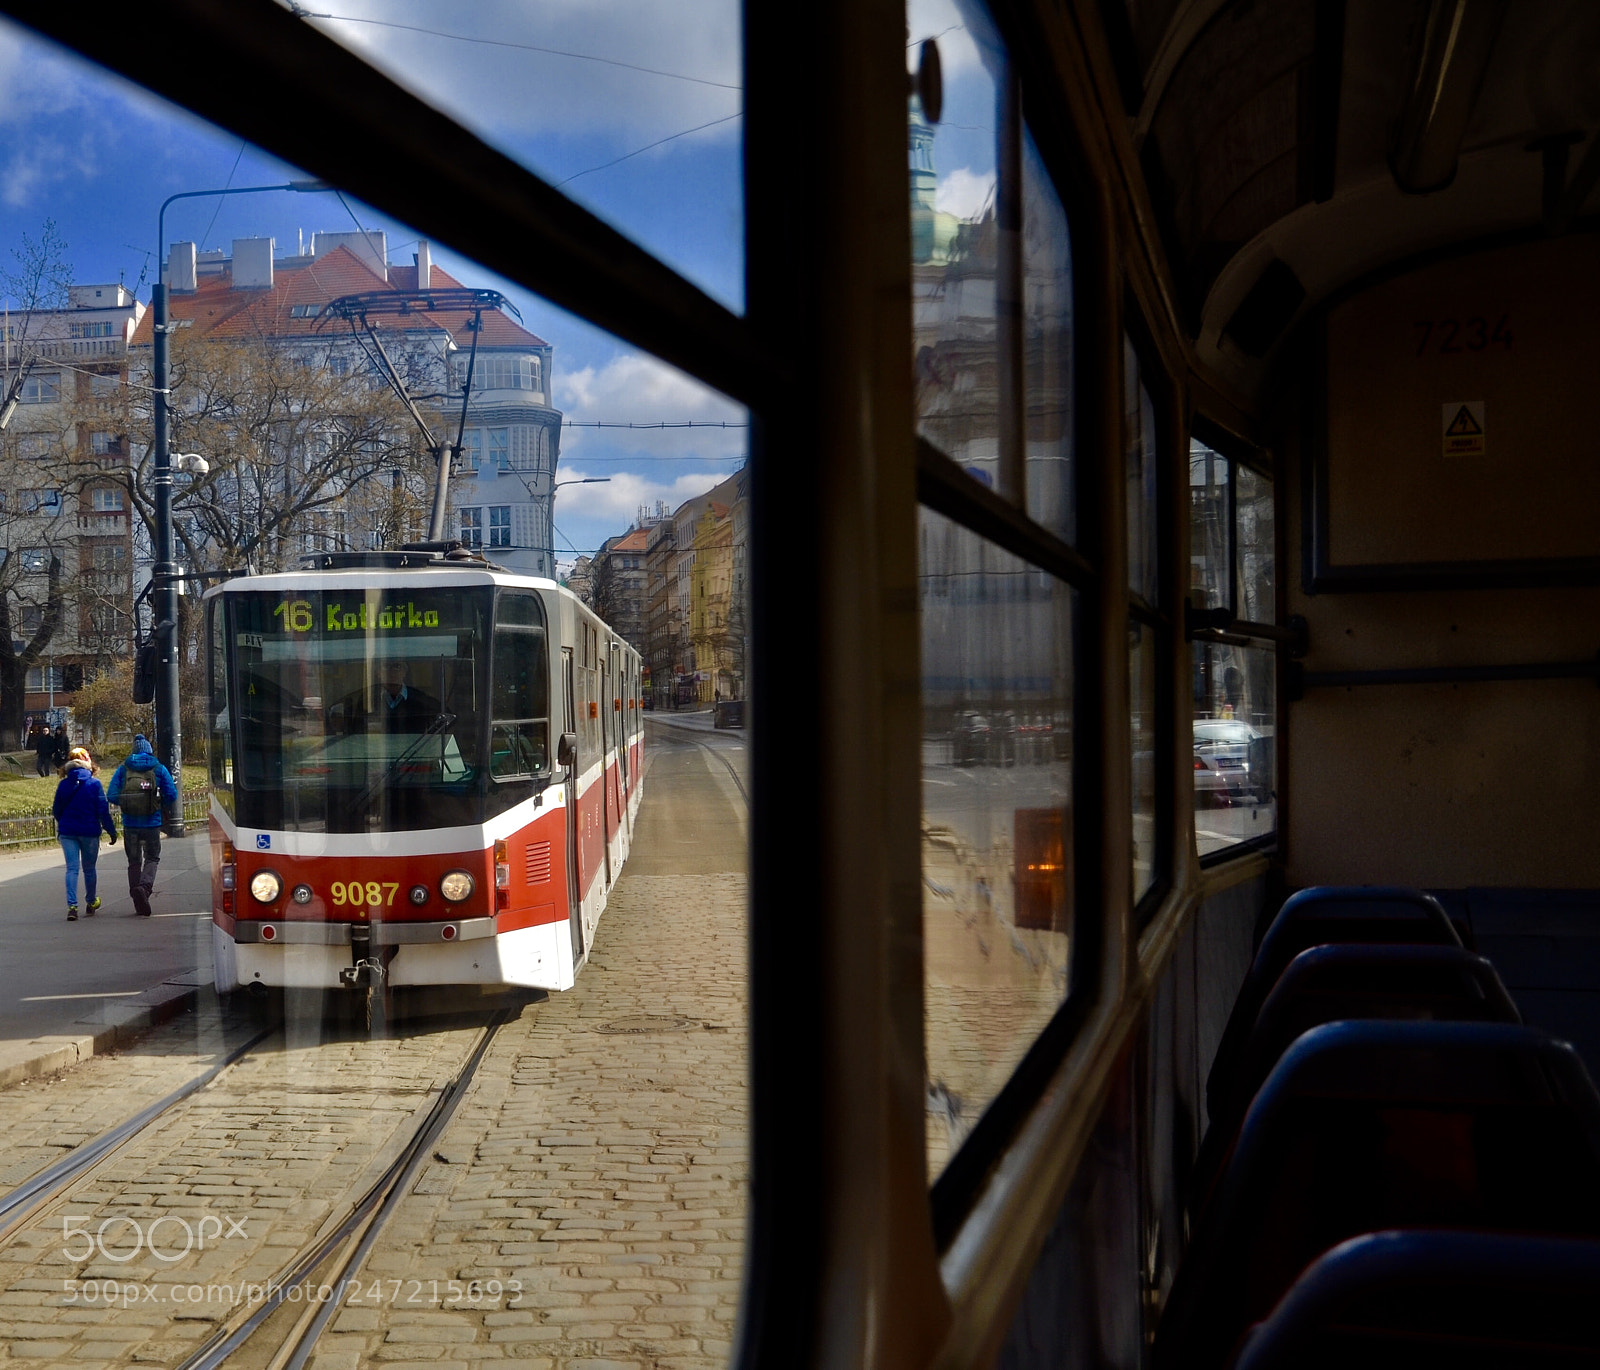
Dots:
{"x": 31, "y": 797}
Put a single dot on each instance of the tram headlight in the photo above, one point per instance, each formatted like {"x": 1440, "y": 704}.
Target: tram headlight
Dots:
{"x": 456, "y": 886}
{"x": 265, "y": 887}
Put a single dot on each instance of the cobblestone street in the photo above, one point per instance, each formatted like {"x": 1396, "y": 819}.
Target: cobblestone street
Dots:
{"x": 585, "y": 1206}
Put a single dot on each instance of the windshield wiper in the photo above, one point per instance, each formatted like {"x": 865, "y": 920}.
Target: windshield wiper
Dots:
{"x": 434, "y": 729}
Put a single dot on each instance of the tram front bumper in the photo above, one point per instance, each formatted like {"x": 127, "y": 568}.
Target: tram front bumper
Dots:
{"x": 379, "y": 934}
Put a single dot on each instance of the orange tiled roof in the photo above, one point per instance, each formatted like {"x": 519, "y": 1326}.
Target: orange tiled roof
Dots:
{"x": 634, "y": 540}
{"x": 219, "y": 310}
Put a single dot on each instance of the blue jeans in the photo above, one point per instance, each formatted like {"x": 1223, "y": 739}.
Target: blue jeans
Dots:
{"x": 87, "y": 850}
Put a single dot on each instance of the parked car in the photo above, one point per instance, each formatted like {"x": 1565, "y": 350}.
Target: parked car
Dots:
{"x": 727, "y": 713}
{"x": 1230, "y": 763}
{"x": 970, "y": 740}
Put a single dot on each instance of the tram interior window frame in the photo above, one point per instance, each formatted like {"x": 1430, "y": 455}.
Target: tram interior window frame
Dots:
{"x": 1157, "y": 617}
{"x": 1238, "y": 452}
{"x": 1000, "y": 516}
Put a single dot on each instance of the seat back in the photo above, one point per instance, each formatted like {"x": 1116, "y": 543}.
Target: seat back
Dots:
{"x": 1427, "y": 1300}
{"x": 1325, "y": 914}
{"x": 1328, "y": 984}
{"x": 1370, "y": 1125}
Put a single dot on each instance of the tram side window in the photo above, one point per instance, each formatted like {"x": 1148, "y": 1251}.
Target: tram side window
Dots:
{"x": 997, "y": 831}
{"x": 1047, "y": 349}
{"x": 220, "y": 742}
{"x": 1147, "y": 657}
{"x": 1142, "y": 464}
{"x": 519, "y": 729}
{"x": 1235, "y": 689}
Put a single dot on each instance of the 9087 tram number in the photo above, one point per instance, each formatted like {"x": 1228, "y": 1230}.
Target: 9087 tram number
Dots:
{"x": 370, "y": 892}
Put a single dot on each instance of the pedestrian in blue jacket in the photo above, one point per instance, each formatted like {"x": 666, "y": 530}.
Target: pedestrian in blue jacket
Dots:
{"x": 81, "y": 813}
{"x": 139, "y": 788}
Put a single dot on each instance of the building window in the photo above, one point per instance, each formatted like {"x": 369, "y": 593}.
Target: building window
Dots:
{"x": 500, "y": 373}
{"x": 109, "y": 556}
{"x": 471, "y": 527}
{"x": 41, "y": 387}
{"x": 304, "y": 311}
{"x": 41, "y": 501}
{"x": 89, "y": 330}
{"x": 35, "y": 560}
{"x": 472, "y": 449}
{"x": 39, "y": 681}
{"x": 108, "y": 500}
{"x": 500, "y": 525}
{"x": 105, "y": 445}
{"x": 338, "y": 365}
{"x": 104, "y": 384}
{"x": 500, "y": 449}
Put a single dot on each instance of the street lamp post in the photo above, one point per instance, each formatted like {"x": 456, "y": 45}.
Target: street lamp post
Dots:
{"x": 164, "y": 574}
{"x": 576, "y": 480}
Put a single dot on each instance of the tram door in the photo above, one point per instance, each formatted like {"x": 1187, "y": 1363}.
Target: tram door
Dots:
{"x": 574, "y": 879}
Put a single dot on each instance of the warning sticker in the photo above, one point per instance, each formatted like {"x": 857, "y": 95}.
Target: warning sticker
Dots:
{"x": 1464, "y": 427}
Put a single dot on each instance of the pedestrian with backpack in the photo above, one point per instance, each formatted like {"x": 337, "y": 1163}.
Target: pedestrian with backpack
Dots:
{"x": 139, "y": 788}
{"x": 81, "y": 813}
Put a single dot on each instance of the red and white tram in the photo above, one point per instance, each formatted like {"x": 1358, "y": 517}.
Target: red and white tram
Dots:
{"x": 424, "y": 770}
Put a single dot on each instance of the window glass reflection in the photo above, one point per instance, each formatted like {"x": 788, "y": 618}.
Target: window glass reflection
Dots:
{"x": 955, "y": 241}
{"x": 1142, "y": 704}
{"x": 1235, "y": 744}
{"x": 1047, "y": 347}
{"x": 1139, "y": 440}
{"x": 997, "y": 855}
{"x": 1210, "y": 523}
{"x": 1254, "y": 533}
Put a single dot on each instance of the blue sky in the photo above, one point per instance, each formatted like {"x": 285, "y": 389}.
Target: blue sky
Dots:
{"x": 98, "y": 155}
{"x": 612, "y": 77}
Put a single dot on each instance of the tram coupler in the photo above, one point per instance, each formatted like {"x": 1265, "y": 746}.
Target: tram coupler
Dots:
{"x": 365, "y": 970}
{"x": 366, "y": 973}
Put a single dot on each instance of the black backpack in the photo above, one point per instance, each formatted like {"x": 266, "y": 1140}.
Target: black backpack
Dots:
{"x": 140, "y": 797}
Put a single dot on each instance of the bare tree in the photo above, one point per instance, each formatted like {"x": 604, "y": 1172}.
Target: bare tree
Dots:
{"x": 32, "y": 496}
{"x": 304, "y": 455}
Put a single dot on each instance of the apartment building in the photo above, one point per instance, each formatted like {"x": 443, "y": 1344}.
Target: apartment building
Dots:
{"x": 64, "y": 454}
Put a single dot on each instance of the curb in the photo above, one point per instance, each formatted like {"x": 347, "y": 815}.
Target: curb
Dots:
{"x": 118, "y": 1024}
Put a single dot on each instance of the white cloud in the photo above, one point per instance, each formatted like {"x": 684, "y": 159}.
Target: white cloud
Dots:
{"x": 943, "y": 21}
{"x": 635, "y": 388}
{"x": 618, "y": 503}
{"x": 964, "y": 192}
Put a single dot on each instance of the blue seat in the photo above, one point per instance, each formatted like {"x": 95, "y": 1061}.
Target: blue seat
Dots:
{"x": 1430, "y": 1300}
{"x": 1333, "y": 983}
{"x": 1364, "y": 1126}
{"x": 1315, "y": 917}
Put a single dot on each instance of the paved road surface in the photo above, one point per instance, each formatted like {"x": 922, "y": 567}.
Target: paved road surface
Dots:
{"x": 598, "y": 1162}
{"x": 56, "y": 976}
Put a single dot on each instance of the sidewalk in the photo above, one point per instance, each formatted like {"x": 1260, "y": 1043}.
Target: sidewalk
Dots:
{"x": 68, "y": 990}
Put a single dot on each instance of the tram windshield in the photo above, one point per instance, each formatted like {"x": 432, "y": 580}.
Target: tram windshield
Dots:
{"x": 359, "y": 711}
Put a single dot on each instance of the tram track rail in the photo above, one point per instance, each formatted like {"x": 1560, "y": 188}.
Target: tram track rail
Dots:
{"x": 350, "y": 1242}
{"x": 38, "y": 1192}
{"x": 687, "y": 734}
